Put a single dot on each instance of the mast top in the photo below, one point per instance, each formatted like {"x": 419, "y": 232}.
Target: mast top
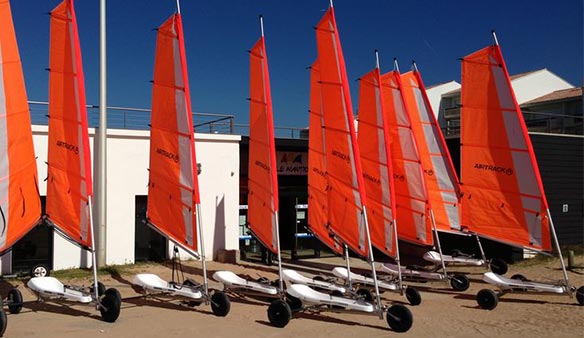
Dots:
{"x": 395, "y": 65}
{"x": 414, "y": 65}
{"x": 178, "y": 6}
{"x": 495, "y": 37}
{"x": 262, "y": 25}
{"x": 331, "y": 3}
{"x": 376, "y": 59}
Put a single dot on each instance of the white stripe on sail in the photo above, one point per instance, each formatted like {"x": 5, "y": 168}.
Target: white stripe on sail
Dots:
{"x": 4, "y": 160}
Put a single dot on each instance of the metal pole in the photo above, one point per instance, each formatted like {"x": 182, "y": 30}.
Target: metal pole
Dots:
{"x": 414, "y": 66}
{"x": 372, "y": 262}
{"x": 93, "y": 259}
{"x": 202, "y": 253}
{"x": 397, "y": 259}
{"x": 438, "y": 243}
{"x": 376, "y": 59}
{"x": 331, "y": 3}
{"x": 495, "y": 38}
{"x": 395, "y": 65}
{"x": 281, "y": 282}
{"x": 178, "y": 6}
{"x": 553, "y": 229}
{"x": 102, "y": 142}
{"x": 481, "y": 248}
{"x": 262, "y": 25}
{"x": 348, "y": 265}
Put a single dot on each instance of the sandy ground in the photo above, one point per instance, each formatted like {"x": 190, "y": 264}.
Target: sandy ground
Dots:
{"x": 443, "y": 312}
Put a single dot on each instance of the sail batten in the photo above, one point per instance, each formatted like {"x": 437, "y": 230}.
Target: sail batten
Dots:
{"x": 69, "y": 178}
{"x": 503, "y": 196}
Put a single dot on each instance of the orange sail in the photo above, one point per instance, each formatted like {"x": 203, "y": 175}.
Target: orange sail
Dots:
{"x": 262, "y": 201}
{"x": 412, "y": 203}
{"x": 503, "y": 196}
{"x": 173, "y": 188}
{"x": 374, "y": 145}
{"x": 318, "y": 211}
{"x": 346, "y": 193}
{"x": 69, "y": 183}
{"x": 439, "y": 174}
{"x": 20, "y": 207}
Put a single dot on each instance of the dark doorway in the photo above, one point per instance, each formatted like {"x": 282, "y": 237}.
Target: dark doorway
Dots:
{"x": 149, "y": 245}
{"x": 34, "y": 248}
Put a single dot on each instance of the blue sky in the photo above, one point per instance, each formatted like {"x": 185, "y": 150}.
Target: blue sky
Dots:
{"x": 532, "y": 34}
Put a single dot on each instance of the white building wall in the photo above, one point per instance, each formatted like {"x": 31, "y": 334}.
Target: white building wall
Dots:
{"x": 435, "y": 95}
{"x": 127, "y": 177}
{"x": 537, "y": 84}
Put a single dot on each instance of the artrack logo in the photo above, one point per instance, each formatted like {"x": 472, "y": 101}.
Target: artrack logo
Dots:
{"x": 319, "y": 172}
{"x": 167, "y": 154}
{"x": 70, "y": 147}
{"x": 342, "y": 156}
{"x": 490, "y": 167}
{"x": 371, "y": 178}
{"x": 262, "y": 165}
{"x": 399, "y": 177}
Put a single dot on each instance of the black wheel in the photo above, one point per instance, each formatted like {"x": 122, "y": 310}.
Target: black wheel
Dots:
{"x": 399, "y": 318}
{"x": 487, "y": 299}
{"x": 580, "y": 295}
{"x": 294, "y": 303}
{"x": 498, "y": 266}
{"x": 519, "y": 277}
{"x": 456, "y": 253}
{"x": 263, "y": 280}
{"x": 279, "y": 313}
{"x": 110, "y": 307}
{"x": 14, "y": 301}
{"x": 365, "y": 294}
{"x": 3, "y": 322}
{"x": 413, "y": 296}
{"x": 220, "y": 304}
{"x": 100, "y": 289}
{"x": 318, "y": 278}
{"x": 39, "y": 270}
{"x": 114, "y": 292}
{"x": 459, "y": 282}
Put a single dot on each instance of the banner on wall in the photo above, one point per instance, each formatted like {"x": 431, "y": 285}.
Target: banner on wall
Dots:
{"x": 292, "y": 163}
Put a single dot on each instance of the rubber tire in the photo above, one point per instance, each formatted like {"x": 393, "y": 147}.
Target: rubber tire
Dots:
{"x": 110, "y": 308}
{"x": 487, "y": 299}
{"x": 456, "y": 253}
{"x": 365, "y": 294}
{"x": 580, "y": 295}
{"x": 413, "y": 296}
{"x": 519, "y": 277}
{"x": 39, "y": 270}
{"x": 100, "y": 289}
{"x": 279, "y": 313}
{"x": 498, "y": 266}
{"x": 3, "y": 322}
{"x": 294, "y": 303}
{"x": 114, "y": 292}
{"x": 14, "y": 296}
{"x": 399, "y": 318}
{"x": 459, "y": 282}
{"x": 318, "y": 278}
{"x": 220, "y": 304}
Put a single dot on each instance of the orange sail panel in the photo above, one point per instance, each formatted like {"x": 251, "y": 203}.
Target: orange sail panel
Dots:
{"x": 439, "y": 173}
{"x": 346, "y": 194}
{"x": 20, "y": 206}
{"x": 69, "y": 166}
{"x": 503, "y": 196}
{"x": 262, "y": 201}
{"x": 374, "y": 146}
{"x": 317, "y": 178}
{"x": 173, "y": 188}
{"x": 412, "y": 204}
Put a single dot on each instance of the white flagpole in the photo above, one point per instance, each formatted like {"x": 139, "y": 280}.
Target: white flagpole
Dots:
{"x": 102, "y": 141}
